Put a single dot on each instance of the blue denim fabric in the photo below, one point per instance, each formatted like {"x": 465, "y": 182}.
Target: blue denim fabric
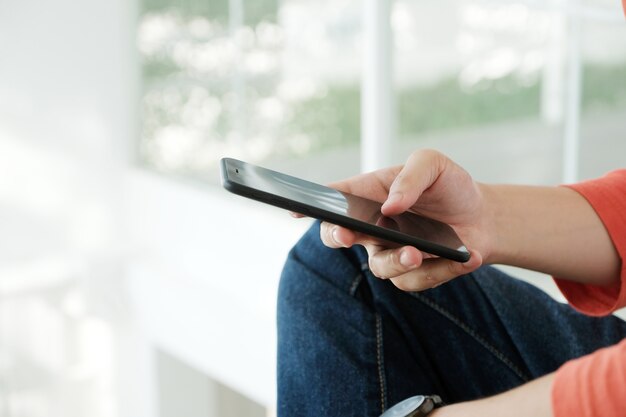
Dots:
{"x": 350, "y": 344}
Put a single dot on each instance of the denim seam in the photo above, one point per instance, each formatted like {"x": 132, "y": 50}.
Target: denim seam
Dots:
{"x": 381, "y": 365}
{"x": 499, "y": 317}
{"x": 355, "y": 284}
{"x": 481, "y": 340}
{"x": 382, "y": 382}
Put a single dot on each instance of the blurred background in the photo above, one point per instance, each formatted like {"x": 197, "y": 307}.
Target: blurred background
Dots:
{"x": 131, "y": 284}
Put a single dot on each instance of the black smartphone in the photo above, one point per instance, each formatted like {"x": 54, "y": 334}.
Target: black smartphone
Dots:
{"x": 347, "y": 210}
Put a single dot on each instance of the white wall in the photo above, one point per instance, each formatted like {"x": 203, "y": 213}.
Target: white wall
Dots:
{"x": 67, "y": 117}
{"x": 102, "y": 263}
{"x": 205, "y": 275}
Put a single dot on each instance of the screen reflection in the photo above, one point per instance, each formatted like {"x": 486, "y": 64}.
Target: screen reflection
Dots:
{"x": 344, "y": 204}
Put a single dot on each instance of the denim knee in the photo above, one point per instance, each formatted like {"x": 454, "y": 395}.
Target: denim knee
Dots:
{"x": 341, "y": 268}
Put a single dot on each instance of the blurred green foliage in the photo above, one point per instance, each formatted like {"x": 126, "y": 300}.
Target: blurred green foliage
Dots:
{"x": 604, "y": 86}
{"x": 446, "y": 105}
{"x": 335, "y": 118}
{"x": 155, "y": 69}
{"x": 255, "y": 11}
{"x": 332, "y": 119}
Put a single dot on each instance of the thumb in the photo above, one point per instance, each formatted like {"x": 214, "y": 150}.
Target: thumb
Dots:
{"x": 420, "y": 171}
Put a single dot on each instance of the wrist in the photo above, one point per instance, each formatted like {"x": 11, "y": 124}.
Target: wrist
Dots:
{"x": 490, "y": 226}
{"x": 531, "y": 399}
{"x": 508, "y": 216}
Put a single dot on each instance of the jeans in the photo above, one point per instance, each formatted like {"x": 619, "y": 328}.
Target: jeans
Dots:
{"x": 351, "y": 344}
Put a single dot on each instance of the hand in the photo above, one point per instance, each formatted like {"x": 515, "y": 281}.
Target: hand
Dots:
{"x": 429, "y": 184}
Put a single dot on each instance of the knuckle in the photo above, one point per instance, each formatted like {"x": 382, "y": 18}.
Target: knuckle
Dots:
{"x": 416, "y": 154}
{"x": 393, "y": 259}
{"x": 383, "y": 264}
{"x": 425, "y": 153}
{"x": 454, "y": 269}
{"x": 432, "y": 153}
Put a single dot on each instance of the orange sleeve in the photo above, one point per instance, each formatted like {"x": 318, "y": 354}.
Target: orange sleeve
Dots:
{"x": 593, "y": 385}
{"x": 607, "y": 196}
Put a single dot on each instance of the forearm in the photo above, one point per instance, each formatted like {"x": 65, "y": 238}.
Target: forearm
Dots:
{"x": 549, "y": 229}
{"x": 531, "y": 399}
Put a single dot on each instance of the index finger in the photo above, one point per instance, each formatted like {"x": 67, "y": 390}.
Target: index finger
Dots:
{"x": 335, "y": 236}
{"x": 372, "y": 185}
{"x": 419, "y": 172}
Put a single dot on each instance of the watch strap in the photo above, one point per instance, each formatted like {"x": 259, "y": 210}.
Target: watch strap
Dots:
{"x": 430, "y": 403}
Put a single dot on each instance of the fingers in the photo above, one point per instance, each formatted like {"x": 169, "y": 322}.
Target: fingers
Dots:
{"x": 408, "y": 268}
{"x": 419, "y": 172}
{"x": 336, "y": 236}
{"x": 419, "y": 273}
{"x": 385, "y": 263}
{"x": 372, "y": 185}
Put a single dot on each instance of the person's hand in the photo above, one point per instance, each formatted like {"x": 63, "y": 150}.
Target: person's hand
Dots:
{"x": 429, "y": 184}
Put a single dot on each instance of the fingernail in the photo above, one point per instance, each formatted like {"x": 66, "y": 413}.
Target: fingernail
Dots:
{"x": 405, "y": 259}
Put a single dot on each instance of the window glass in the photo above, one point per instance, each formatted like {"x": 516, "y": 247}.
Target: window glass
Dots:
{"x": 603, "y": 56}
{"x": 246, "y": 79}
{"x": 467, "y": 63}
{"x": 603, "y": 96}
{"x": 489, "y": 82}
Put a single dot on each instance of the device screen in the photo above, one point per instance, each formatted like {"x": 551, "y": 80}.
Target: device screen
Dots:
{"x": 314, "y": 195}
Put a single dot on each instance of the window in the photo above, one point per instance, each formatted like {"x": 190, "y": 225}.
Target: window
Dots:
{"x": 279, "y": 80}
{"x": 247, "y": 79}
{"x": 493, "y": 80}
